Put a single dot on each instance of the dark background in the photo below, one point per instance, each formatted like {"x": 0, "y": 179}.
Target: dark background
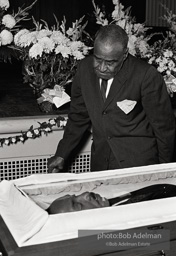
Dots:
{"x": 75, "y": 9}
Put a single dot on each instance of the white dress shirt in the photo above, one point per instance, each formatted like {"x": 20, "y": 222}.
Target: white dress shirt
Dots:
{"x": 109, "y": 82}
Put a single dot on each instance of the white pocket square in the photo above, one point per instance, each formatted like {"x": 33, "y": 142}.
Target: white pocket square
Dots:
{"x": 126, "y": 105}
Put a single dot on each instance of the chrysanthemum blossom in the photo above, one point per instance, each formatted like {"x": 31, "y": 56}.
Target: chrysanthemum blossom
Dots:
{"x": 35, "y": 51}
{"x": 59, "y": 38}
{"x": 43, "y": 33}
{"x": 6, "y": 37}
{"x": 168, "y": 53}
{"x": 47, "y": 44}
{"x": 78, "y": 55}
{"x": 28, "y": 39}
{"x": 65, "y": 51}
{"x": 75, "y": 45}
{"x": 4, "y": 4}
{"x": 18, "y": 36}
{"x": 8, "y": 21}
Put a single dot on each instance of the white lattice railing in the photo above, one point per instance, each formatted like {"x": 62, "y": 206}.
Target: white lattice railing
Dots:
{"x": 21, "y": 160}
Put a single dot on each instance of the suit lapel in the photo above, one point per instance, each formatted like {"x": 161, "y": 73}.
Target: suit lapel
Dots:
{"x": 95, "y": 88}
{"x": 116, "y": 85}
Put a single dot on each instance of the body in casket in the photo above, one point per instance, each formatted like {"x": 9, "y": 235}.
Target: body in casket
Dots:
{"x": 157, "y": 214}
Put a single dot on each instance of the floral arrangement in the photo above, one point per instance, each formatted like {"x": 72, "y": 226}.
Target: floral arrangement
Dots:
{"x": 170, "y": 17}
{"x": 51, "y": 55}
{"x": 9, "y": 25}
{"x": 162, "y": 54}
{"x": 164, "y": 59}
{"x": 138, "y": 41}
{"x": 33, "y": 133}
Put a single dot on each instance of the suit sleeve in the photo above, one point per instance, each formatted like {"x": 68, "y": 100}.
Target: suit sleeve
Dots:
{"x": 78, "y": 120}
{"x": 157, "y": 106}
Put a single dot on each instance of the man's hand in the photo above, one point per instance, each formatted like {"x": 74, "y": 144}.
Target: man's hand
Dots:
{"x": 55, "y": 164}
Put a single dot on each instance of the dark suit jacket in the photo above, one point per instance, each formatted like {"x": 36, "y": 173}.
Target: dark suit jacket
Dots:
{"x": 144, "y": 136}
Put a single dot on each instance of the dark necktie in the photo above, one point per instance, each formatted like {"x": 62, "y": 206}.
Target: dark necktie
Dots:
{"x": 104, "y": 88}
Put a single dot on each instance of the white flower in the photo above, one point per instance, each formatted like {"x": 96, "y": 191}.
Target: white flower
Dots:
{"x": 138, "y": 28}
{"x": 105, "y": 22}
{"x": 78, "y": 55}
{"x": 70, "y": 32}
{"x": 8, "y": 21}
{"x": 21, "y": 138}
{"x": 28, "y": 38}
{"x": 150, "y": 61}
{"x": 75, "y": 45}
{"x": 168, "y": 53}
{"x": 52, "y": 121}
{"x": 17, "y": 37}
{"x": 161, "y": 69}
{"x": 35, "y": 51}
{"x": 115, "y": 2}
{"x": 128, "y": 28}
{"x": 59, "y": 38}
{"x": 143, "y": 47}
{"x": 168, "y": 72}
{"x": 13, "y": 140}
{"x": 63, "y": 123}
{"x": 4, "y": 4}
{"x": 164, "y": 60}
{"x": 118, "y": 12}
{"x": 121, "y": 23}
{"x": 6, "y": 37}
{"x": 64, "y": 50}
{"x": 43, "y": 33}
{"x": 162, "y": 65}
{"x": 47, "y": 44}
{"x": 131, "y": 44}
{"x": 6, "y": 142}
{"x": 171, "y": 64}
{"x": 158, "y": 60}
{"x": 86, "y": 49}
{"x": 47, "y": 129}
{"x": 36, "y": 131}
{"x": 29, "y": 134}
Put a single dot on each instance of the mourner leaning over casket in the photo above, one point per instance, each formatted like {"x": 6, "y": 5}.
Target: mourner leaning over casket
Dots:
{"x": 90, "y": 200}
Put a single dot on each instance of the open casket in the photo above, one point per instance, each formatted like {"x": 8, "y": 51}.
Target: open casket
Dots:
{"x": 27, "y": 229}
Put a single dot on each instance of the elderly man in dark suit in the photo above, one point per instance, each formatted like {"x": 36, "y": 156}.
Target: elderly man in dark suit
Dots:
{"x": 132, "y": 120}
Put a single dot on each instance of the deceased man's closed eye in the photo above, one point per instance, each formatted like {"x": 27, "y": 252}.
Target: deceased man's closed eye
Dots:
{"x": 90, "y": 200}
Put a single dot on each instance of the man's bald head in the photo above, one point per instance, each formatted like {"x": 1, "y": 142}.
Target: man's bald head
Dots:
{"x": 112, "y": 34}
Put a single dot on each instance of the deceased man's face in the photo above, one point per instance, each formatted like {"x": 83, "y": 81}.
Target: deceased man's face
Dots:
{"x": 72, "y": 203}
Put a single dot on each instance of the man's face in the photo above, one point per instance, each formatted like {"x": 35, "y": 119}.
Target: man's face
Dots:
{"x": 108, "y": 59}
{"x": 72, "y": 203}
